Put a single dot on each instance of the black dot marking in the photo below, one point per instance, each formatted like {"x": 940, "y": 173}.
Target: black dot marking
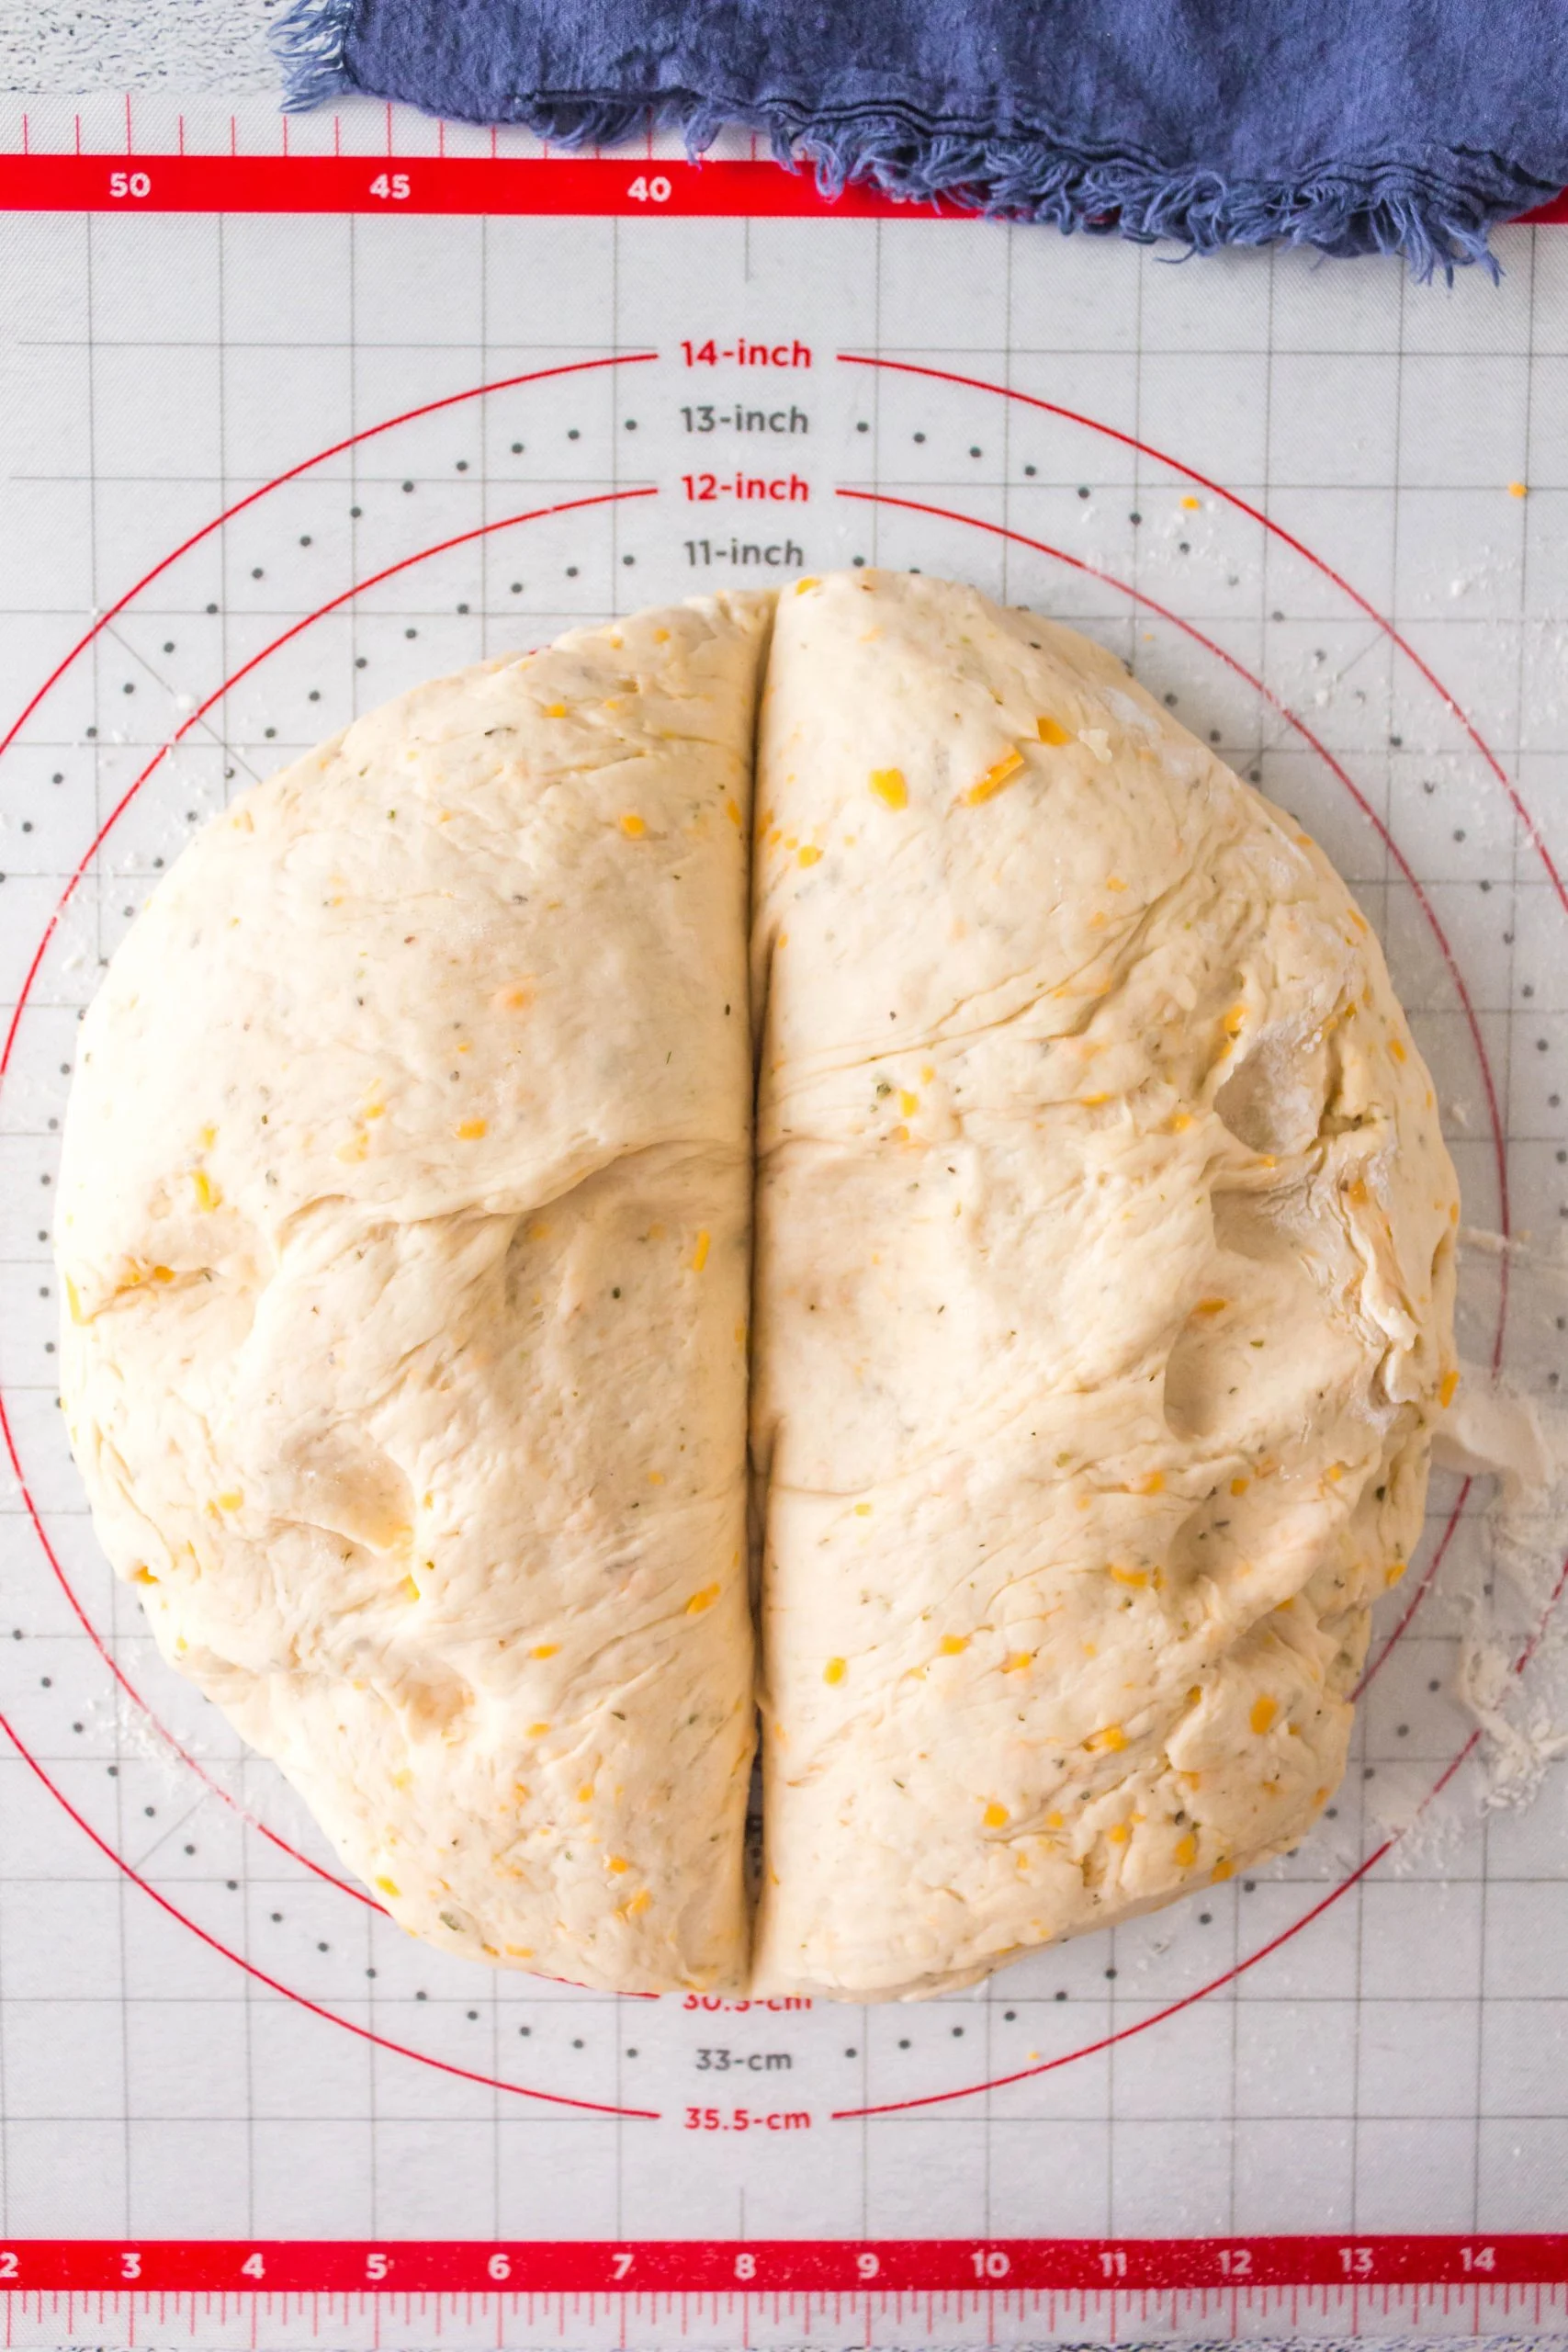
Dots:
{"x": 958, "y": 2033}
{"x": 322, "y": 1946}
{"x": 408, "y": 485}
{"x": 920, "y": 436}
{"x": 190, "y": 1849}
{"x": 523, "y": 2029}
{"x": 1061, "y": 1996}
{"x": 851, "y": 2053}
{"x": 258, "y": 573}
{"x": 473, "y": 2015}
{"x": 356, "y": 512}
{"x": 517, "y": 448}
{"x": 269, "y": 732}
{"x": 410, "y": 632}
{"x": 631, "y": 2053}
{"x": 860, "y": 428}
{"x": 1398, "y": 741}
{"x": 859, "y": 561}
{"x": 422, "y": 1996}
{"x": 211, "y": 608}
{"x": 631, "y": 427}
{"x": 1032, "y": 472}
{"x": 974, "y": 453}
{"x": 1111, "y": 1972}
{"x": 517, "y": 587}
{"x": 571, "y": 571}
{"x": 462, "y": 465}
{"x": 1170, "y": 702}
{"x": 577, "y": 2045}
{"x": 127, "y": 689}
{"x": 1134, "y": 518}
{"x": 360, "y": 662}
{"x": 904, "y": 2045}
{"x": 572, "y": 434}
{"x": 628, "y": 559}
{"x": 304, "y": 541}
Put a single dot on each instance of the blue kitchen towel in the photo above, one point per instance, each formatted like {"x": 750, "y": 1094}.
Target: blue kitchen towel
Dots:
{"x": 1356, "y": 126}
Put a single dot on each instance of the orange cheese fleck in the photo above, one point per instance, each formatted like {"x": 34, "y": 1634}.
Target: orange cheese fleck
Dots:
{"x": 997, "y": 778}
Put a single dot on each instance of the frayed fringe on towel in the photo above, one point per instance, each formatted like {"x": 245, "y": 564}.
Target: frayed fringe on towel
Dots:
{"x": 1437, "y": 225}
{"x": 308, "y": 41}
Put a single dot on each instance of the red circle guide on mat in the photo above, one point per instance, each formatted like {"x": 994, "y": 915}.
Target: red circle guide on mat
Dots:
{"x": 450, "y": 184}
{"x": 764, "y": 2266}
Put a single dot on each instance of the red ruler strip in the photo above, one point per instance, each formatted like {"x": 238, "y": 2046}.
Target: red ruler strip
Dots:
{"x": 780, "y": 2264}
{"x": 451, "y": 184}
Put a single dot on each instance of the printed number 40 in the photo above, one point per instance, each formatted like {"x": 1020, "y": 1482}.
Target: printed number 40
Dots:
{"x": 391, "y": 185}
{"x": 644, "y": 190}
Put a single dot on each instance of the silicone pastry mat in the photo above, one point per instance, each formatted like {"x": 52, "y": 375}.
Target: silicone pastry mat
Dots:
{"x": 270, "y": 465}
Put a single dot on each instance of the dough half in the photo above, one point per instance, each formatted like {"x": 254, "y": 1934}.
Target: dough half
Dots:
{"x": 1104, "y": 1274}
{"x": 405, "y": 1222}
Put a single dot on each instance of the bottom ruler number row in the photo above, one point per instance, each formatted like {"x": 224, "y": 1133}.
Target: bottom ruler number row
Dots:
{"x": 1403, "y": 2266}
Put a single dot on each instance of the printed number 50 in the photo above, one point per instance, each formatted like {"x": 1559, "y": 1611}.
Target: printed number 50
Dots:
{"x": 644, "y": 190}
{"x": 392, "y": 185}
{"x": 130, "y": 184}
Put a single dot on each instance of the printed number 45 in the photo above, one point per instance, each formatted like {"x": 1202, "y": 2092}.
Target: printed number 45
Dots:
{"x": 393, "y": 186}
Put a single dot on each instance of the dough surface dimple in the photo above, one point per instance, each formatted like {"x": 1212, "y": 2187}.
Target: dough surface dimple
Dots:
{"x": 1103, "y": 1282}
{"x": 405, "y": 1215}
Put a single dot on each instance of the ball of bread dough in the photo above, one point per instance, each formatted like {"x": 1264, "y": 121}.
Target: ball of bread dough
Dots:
{"x": 1102, "y": 1290}
{"x": 404, "y": 1217}
{"x": 1103, "y": 1282}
